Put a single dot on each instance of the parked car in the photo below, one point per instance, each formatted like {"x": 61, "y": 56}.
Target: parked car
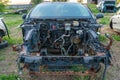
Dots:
{"x": 115, "y": 21}
{"x": 3, "y": 32}
{"x": 59, "y": 35}
{"x": 107, "y": 6}
{"x": 20, "y": 11}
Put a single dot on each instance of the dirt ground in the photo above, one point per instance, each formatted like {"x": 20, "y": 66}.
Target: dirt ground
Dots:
{"x": 8, "y": 63}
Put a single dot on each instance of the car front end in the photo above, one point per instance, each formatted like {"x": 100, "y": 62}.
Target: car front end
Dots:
{"x": 54, "y": 44}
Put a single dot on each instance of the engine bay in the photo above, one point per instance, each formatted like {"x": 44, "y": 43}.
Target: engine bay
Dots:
{"x": 63, "y": 37}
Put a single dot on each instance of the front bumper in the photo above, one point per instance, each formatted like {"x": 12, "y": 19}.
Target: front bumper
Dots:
{"x": 52, "y": 62}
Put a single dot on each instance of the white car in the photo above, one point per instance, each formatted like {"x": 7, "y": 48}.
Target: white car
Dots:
{"x": 115, "y": 21}
{"x": 3, "y": 32}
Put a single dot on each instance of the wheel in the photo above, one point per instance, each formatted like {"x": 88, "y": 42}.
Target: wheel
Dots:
{"x": 3, "y": 44}
{"x": 111, "y": 25}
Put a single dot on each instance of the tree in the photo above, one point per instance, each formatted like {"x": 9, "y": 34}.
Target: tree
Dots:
{"x": 2, "y": 7}
{"x": 36, "y": 1}
{"x": 118, "y": 1}
{"x": 2, "y": 4}
{"x": 59, "y": 0}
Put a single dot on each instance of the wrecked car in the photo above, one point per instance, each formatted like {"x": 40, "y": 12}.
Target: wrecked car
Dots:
{"x": 115, "y": 21}
{"x": 107, "y": 6}
{"x": 21, "y": 11}
{"x": 3, "y": 32}
{"x": 58, "y": 36}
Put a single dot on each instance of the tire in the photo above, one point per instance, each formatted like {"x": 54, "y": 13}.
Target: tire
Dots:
{"x": 111, "y": 25}
{"x": 3, "y": 44}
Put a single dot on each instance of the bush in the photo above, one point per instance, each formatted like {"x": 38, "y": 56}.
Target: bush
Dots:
{"x": 36, "y": 1}
{"x": 2, "y": 7}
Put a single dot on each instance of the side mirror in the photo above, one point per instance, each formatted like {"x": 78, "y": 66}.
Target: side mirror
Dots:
{"x": 24, "y": 16}
{"x": 99, "y": 16}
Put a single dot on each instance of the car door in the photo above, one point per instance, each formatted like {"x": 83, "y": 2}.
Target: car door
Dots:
{"x": 116, "y": 21}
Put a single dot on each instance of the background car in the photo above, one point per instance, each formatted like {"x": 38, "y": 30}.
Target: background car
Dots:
{"x": 115, "y": 21}
{"x": 20, "y": 11}
{"x": 3, "y": 32}
{"x": 107, "y": 6}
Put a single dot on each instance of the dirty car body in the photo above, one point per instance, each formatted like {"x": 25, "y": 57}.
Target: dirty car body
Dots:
{"x": 3, "y": 32}
{"x": 59, "y": 35}
{"x": 2, "y": 28}
{"x": 115, "y": 21}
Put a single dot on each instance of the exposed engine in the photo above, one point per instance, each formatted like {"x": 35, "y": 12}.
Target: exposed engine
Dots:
{"x": 61, "y": 44}
{"x": 63, "y": 38}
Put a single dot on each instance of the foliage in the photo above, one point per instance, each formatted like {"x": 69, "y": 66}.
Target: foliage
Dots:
{"x": 2, "y": 6}
{"x": 4, "y": 1}
{"x": 59, "y": 0}
{"x": 36, "y": 1}
{"x": 118, "y": 1}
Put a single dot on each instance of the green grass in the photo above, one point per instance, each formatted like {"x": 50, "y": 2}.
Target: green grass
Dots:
{"x": 80, "y": 68}
{"x": 8, "y": 77}
{"x": 2, "y": 58}
{"x": 102, "y": 38}
{"x": 13, "y": 20}
{"x": 105, "y": 20}
{"x": 13, "y": 40}
{"x": 93, "y": 8}
{"x": 116, "y": 37}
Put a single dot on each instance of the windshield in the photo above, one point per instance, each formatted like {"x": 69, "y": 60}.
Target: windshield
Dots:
{"x": 59, "y": 10}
